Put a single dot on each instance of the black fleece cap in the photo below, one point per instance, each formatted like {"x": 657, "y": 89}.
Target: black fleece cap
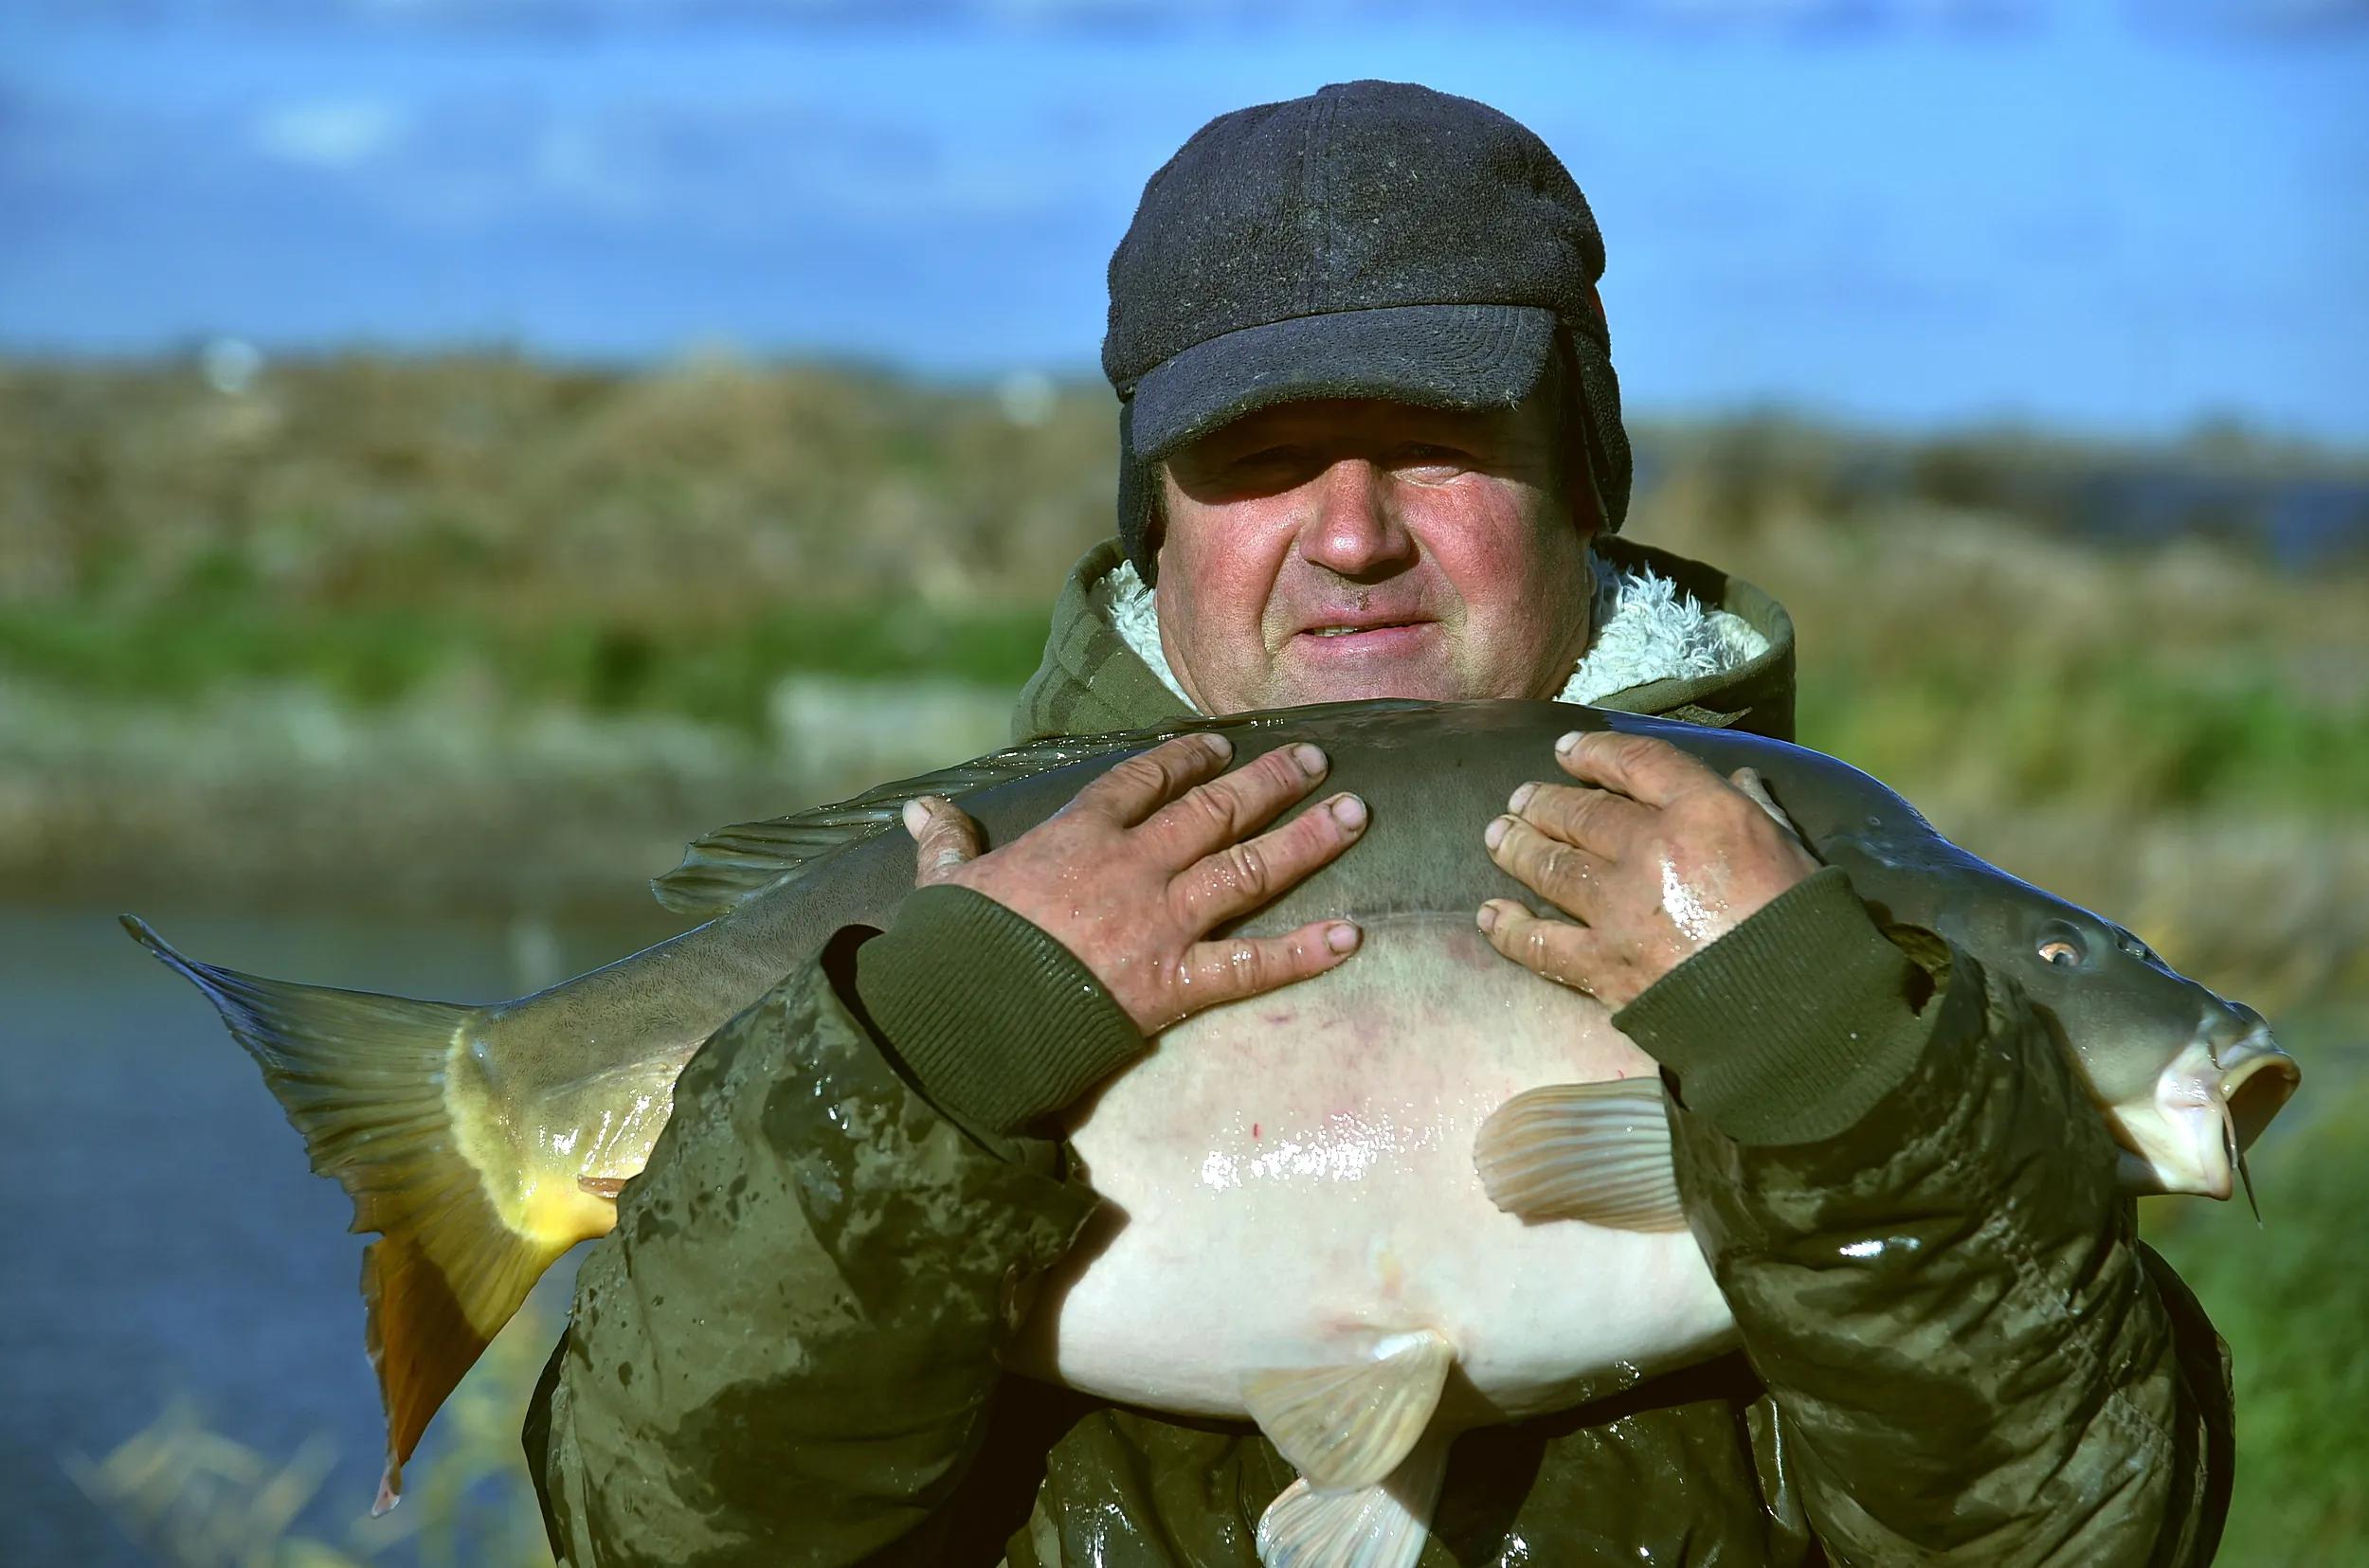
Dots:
{"x": 1373, "y": 240}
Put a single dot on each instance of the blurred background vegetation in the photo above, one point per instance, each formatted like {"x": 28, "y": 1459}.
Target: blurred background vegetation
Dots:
{"x": 473, "y": 632}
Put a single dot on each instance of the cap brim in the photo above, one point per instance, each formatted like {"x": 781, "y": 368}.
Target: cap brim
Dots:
{"x": 1434, "y": 357}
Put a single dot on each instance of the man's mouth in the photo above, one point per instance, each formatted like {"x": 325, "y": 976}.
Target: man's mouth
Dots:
{"x": 1361, "y": 628}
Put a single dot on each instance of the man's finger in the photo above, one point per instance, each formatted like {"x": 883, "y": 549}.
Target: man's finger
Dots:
{"x": 1238, "y": 878}
{"x": 944, "y": 837}
{"x": 1640, "y": 766}
{"x": 1218, "y": 813}
{"x": 1597, "y": 820}
{"x": 1150, "y": 780}
{"x": 1238, "y": 966}
{"x": 1562, "y": 874}
{"x": 1750, "y": 781}
{"x": 1562, "y": 952}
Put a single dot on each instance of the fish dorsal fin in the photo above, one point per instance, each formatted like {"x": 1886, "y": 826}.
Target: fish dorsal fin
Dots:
{"x": 1350, "y": 1424}
{"x": 1597, "y": 1152}
{"x": 733, "y": 863}
{"x": 1378, "y": 1526}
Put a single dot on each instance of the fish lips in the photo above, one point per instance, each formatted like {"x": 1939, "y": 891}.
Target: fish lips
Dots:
{"x": 2257, "y": 1079}
{"x": 2210, "y": 1104}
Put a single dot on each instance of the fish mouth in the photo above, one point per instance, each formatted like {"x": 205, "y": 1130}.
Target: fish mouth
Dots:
{"x": 2257, "y": 1080}
{"x": 2209, "y": 1106}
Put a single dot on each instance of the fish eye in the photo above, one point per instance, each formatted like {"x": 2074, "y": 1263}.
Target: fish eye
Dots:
{"x": 2059, "y": 953}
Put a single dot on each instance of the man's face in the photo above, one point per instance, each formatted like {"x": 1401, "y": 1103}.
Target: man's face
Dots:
{"x": 1336, "y": 551}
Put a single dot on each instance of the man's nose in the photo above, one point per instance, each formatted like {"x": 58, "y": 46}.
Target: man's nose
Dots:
{"x": 1352, "y": 528}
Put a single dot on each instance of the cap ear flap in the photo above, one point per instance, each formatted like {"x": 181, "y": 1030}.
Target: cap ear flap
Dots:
{"x": 1594, "y": 395}
{"x": 1139, "y": 510}
{"x": 1576, "y": 446}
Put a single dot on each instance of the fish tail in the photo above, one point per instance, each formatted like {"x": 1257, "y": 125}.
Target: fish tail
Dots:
{"x": 362, "y": 1077}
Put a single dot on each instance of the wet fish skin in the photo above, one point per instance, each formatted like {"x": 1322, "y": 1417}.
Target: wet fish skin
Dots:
{"x": 528, "y": 1113}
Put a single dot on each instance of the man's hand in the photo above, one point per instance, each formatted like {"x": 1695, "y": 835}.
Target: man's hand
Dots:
{"x": 1655, "y": 856}
{"x": 1134, "y": 873}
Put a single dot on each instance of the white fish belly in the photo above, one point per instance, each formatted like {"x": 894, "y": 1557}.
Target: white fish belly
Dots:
{"x": 1289, "y": 1179}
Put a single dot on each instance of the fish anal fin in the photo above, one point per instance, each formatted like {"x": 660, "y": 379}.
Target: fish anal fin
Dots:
{"x": 1350, "y": 1424}
{"x": 1378, "y": 1526}
{"x": 1594, "y": 1152}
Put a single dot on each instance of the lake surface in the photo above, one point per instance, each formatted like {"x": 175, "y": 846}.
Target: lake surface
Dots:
{"x": 164, "y": 1233}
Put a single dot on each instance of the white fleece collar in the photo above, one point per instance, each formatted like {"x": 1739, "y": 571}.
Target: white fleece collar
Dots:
{"x": 1645, "y": 630}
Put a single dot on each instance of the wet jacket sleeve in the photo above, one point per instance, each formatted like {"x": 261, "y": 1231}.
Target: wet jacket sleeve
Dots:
{"x": 785, "y": 1354}
{"x": 1910, "y": 1206}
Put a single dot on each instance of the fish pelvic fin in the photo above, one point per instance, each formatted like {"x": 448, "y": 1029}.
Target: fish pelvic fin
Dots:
{"x": 1350, "y": 1425}
{"x": 1379, "y": 1526}
{"x": 362, "y": 1077}
{"x": 1594, "y": 1152}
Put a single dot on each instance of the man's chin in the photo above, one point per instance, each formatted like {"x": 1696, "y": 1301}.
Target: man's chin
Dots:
{"x": 1415, "y": 668}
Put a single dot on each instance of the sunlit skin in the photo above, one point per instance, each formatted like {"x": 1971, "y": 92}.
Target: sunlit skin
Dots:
{"x": 1329, "y": 551}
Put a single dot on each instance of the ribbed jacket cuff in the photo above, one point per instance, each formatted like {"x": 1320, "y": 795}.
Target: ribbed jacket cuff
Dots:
{"x": 1792, "y": 1026}
{"x": 998, "y": 1023}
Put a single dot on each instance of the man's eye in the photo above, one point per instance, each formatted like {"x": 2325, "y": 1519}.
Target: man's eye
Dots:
{"x": 2061, "y": 953}
{"x": 1420, "y": 455}
{"x": 1269, "y": 457}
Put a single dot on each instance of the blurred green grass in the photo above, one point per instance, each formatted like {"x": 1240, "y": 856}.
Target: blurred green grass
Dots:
{"x": 482, "y": 630}
{"x": 2288, "y": 1298}
{"x": 721, "y": 672}
{"x": 196, "y": 1498}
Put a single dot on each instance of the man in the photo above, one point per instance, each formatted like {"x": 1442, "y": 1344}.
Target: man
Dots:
{"x": 1371, "y": 446}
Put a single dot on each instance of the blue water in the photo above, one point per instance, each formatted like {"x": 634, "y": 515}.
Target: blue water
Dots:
{"x": 2123, "y": 219}
{"x": 162, "y": 1233}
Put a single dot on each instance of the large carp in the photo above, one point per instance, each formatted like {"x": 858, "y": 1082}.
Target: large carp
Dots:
{"x": 1429, "y": 1157}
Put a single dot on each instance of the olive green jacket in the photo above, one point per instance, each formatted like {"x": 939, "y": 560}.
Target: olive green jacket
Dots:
{"x": 1954, "y": 1350}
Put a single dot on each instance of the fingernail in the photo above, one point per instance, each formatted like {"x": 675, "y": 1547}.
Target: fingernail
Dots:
{"x": 1567, "y": 743}
{"x": 916, "y": 817}
{"x": 1521, "y": 797}
{"x": 1347, "y": 810}
{"x": 1310, "y": 759}
{"x": 1341, "y": 938}
{"x": 1489, "y": 917}
{"x": 1218, "y": 744}
{"x": 1494, "y": 833}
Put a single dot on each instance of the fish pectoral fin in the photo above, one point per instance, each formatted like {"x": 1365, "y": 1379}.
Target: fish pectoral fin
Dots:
{"x": 1348, "y": 1426}
{"x": 1597, "y": 1152}
{"x": 1378, "y": 1526}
